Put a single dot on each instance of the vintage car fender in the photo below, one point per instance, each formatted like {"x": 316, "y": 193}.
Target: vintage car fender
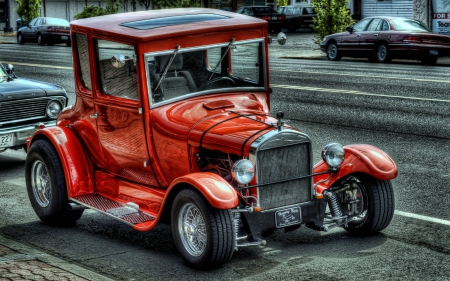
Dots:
{"x": 217, "y": 191}
{"x": 359, "y": 158}
{"x": 77, "y": 168}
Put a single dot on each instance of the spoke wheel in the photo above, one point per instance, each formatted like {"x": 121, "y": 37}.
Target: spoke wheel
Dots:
{"x": 204, "y": 236}
{"x": 46, "y": 185}
{"x": 40, "y": 183}
{"x": 383, "y": 53}
{"x": 333, "y": 52}
{"x": 375, "y": 210}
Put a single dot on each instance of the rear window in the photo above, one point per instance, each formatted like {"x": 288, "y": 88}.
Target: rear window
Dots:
{"x": 55, "y": 21}
{"x": 409, "y": 25}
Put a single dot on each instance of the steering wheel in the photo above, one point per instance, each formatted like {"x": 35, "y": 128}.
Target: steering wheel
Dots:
{"x": 210, "y": 82}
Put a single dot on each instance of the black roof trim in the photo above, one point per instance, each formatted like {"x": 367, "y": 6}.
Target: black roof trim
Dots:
{"x": 172, "y": 20}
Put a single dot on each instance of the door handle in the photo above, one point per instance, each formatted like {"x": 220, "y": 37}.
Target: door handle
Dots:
{"x": 375, "y": 35}
{"x": 358, "y": 35}
{"x": 94, "y": 116}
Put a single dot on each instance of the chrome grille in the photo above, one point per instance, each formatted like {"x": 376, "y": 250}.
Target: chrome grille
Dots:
{"x": 26, "y": 109}
{"x": 285, "y": 156}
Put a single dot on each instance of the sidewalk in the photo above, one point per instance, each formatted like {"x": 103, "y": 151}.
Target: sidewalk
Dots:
{"x": 20, "y": 262}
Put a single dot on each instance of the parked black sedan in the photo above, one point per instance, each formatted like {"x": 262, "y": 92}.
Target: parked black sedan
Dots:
{"x": 297, "y": 16}
{"x": 275, "y": 20}
{"x": 25, "y": 103}
{"x": 383, "y": 38}
{"x": 45, "y": 30}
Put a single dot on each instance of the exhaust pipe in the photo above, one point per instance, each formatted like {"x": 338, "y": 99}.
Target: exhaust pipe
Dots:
{"x": 74, "y": 206}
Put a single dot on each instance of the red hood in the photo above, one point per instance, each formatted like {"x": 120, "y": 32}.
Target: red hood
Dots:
{"x": 219, "y": 123}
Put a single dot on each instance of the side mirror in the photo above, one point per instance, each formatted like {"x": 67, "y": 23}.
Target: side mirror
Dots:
{"x": 281, "y": 38}
{"x": 349, "y": 29}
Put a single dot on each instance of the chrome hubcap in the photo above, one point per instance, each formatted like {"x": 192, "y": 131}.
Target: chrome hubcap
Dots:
{"x": 192, "y": 229}
{"x": 382, "y": 53}
{"x": 40, "y": 183}
{"x": 332, "y": 51}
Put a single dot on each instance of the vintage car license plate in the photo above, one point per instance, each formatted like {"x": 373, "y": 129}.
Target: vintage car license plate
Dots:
{"x": 433, "y": 53}
{"x": 288, "y": 216}
{"x": 6, "y": 140}
{"x": 64, "y": 37}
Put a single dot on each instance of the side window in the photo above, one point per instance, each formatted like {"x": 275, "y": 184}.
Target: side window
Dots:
{"x": 361, "y": 25}
{"x": 116, "y": 63}
{"x": 384, "y": 26}
{"x": 83, "y": 60}
{"x": 246, "y": 62}
{"x": 374, "y": 24}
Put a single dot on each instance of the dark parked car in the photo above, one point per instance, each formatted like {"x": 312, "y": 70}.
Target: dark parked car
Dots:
{"x": 383, "y": 38}
{"x": 297, "y": 16}
{"x": 276, "y": 20}
{"x": 45, "y": 31}
{"x": 25, "y": 103}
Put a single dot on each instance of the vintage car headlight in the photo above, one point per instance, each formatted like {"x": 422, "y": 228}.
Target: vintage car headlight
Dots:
{"x": 53, "y": 109}
{"x": 333, "y": 154}
{"x": 243, "y": 171}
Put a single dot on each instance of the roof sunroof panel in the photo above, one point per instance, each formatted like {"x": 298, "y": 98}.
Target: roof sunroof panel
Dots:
{"x": 170, "y": 21}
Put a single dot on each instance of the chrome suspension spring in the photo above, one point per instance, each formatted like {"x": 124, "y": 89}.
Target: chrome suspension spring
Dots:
{"x": 333, "y": 204}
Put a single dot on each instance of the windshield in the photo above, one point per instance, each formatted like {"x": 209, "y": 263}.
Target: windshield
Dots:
{"x": 229, "y": 67}
{"x": 409, "y": 25}
{"x": 2, "y": 70}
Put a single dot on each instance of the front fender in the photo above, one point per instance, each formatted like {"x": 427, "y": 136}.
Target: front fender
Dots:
{"x": 359, "y": 158}
{"x": 77, "y": 169}
{"x": 217, "y": 191}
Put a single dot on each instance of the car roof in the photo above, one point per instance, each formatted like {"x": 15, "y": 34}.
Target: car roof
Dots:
{"x": 151, "y": 24}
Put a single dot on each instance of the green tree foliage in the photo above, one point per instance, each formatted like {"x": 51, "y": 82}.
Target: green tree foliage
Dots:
{"x": 112, "y": 7}
{"x": 332, "y": 17}
{"x": 28, "y": 9}
{"x": 282, "y": 3}
{"x": 145, "y": 3}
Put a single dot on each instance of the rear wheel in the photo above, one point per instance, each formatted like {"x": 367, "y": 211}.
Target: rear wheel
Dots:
{"x": 377, "y": 205}
{"x": 333, "y": 52}
{"x": 40, "y": 41}
{"x": 204, "y": 236}
{"x": 46, "y": 185}
{"x": 383, "y": 53}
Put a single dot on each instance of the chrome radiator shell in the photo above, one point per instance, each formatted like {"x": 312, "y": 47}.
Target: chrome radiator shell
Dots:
{"x": 281, "y": 158}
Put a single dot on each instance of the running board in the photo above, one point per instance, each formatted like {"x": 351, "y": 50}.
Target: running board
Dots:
{"x": 128, "y": 213}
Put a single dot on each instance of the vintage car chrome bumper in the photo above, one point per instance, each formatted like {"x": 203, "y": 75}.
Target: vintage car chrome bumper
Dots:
{"x": 16, "y": 137}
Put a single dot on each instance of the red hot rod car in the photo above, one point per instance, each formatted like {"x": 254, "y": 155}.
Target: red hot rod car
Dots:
{"x": 172, "y": 124}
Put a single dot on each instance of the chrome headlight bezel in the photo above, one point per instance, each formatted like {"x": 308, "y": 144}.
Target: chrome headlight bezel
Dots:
{"x": 333, "y": 154}
{"x": 53, "y": 109}
{"x": 243, "y": 171}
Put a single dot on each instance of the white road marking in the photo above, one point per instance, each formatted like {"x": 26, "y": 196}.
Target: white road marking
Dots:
{"x": 38, "y": 65}
{"x": 352, "y": 92}
{"x": 421, "y": 217}
{"x": 365, "y": 75}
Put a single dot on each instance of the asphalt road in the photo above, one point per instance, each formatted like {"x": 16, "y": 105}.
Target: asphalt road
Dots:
{"x": 352, "y": 101}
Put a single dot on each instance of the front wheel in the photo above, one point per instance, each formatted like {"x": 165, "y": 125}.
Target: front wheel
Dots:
{"x": 40, "y": 41}
{"x": 204, "y": 236}
{"x": 20, "y": 39}
{"x": 46, "y": 185}
{"x": 376, "y": 202}
{"x": 333, "y": 52}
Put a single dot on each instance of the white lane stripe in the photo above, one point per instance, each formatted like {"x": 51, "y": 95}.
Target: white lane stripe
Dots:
{"x": 420, "y": 217}
{"x": 365, "y": 75}
{"x": 38, "y": 65}
{"x": 353, "y": 92}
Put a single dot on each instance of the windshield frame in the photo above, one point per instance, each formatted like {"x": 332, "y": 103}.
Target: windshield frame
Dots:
{"x": 225, "y": 90}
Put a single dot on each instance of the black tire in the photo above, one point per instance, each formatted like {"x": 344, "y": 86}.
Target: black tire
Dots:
{"x": 209, "y": 242}
{"x": 333, "y": 53}
{"x": 20, "y": 39}
{"x": 429, "y": 60}
{"x": 40, "y": 41}
{"x": 46, "y": 185}
{"x": 378, "y": 206}
{"x": 383, "y": 53}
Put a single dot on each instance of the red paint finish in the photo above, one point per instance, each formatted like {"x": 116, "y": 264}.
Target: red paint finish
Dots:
{"x": 359, "y": 158}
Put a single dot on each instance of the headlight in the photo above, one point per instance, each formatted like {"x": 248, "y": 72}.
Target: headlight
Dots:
{"x": 333, "y": 154}
{"x": 243, "y": 171}
{"x": 53, "y": 109}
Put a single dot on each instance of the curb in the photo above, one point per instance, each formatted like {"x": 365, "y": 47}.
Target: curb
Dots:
{"x": 22, "y": 256}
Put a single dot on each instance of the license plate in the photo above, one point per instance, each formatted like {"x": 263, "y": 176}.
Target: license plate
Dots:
{"x": 274, "y": 18}
{"x": 6, "y": 140}
{"x": 64, "y": 37}
{"x": 288, "y": 216}
{"x": 433, "y": 52}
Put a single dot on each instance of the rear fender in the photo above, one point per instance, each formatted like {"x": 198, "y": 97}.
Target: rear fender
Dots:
{"x": 217, "y": 191}
{"x": 77, "y": 169}
{"x": 359, "y": 158}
